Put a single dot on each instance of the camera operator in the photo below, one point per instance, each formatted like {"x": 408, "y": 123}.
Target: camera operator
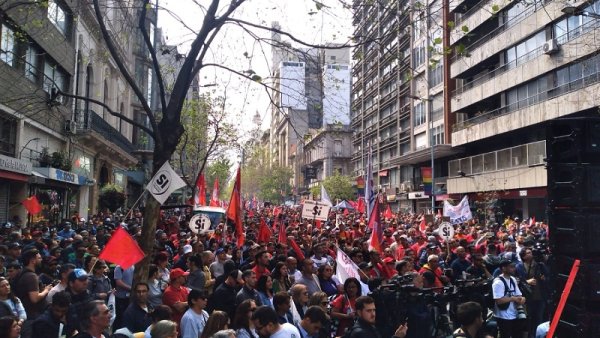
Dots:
{"x": 418, "y": 314}
{"x": 509, "y": 301}
{"x": 533, "y": 272}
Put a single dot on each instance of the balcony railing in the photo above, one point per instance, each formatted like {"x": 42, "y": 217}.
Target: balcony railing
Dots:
{"x": 525, "y": 155}
{"x": 110, "y": 133}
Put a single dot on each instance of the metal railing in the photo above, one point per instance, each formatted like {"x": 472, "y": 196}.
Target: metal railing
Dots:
{"x": 110, "y": 133}
{"x": 525, "y": 58}
{"x": 464, "y": 16}
{"x": 524, "y": 155}
{"x": 529, "y": 101}
{"x": 500, "y": 29}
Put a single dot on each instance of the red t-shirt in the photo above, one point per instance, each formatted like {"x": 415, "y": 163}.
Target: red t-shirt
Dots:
{"x": 260, "y": 271}
{"x": 173, "y": 295}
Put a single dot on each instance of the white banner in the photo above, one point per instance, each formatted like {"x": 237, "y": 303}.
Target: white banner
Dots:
{"x": 325, "y": 197}
{"x": 314, "y": 210}
{"x": 164, "y": 183}
{"x": 346, "y": 268}
{"x": 459, "y": 213}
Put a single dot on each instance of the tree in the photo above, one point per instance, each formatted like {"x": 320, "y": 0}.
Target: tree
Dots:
{"x": 275, "y": 184}
{"x": 339, "y": 187}
{"x": 219, "y": 169}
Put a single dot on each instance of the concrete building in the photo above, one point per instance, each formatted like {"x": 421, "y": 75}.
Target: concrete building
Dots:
{"x": 398, "y": 99}
{"x": 63, "y": 148}
{"x": 527, "y": 63}
{"x": 312, "y": 93}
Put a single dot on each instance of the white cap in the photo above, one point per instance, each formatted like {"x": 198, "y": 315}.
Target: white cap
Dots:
{"x": 187, "y": 249}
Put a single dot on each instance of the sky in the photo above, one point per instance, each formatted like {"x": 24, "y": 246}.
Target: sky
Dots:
{"x": 301, "y": 18}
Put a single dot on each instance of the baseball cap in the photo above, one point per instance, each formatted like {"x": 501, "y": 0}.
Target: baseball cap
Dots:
{"x": 77, "y": 274}
{"x": 14, "y": 245}
{"x": 187, "y": 249}
{"x": 220, "y": 250}
{"x": 176, "y": 273}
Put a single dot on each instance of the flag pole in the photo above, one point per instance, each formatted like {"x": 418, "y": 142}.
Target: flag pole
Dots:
{"x": 135, "y": 203}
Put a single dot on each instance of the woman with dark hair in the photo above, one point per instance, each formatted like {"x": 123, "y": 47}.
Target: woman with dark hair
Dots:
{"x": 326, "y": 281}
{"x": 12, "y": 301}
{"x": 343, "y": 306}
{"x": 281, "y": 279}
{"x": 99, "y": 284}
{"x": 217, "y": 321}
{"x": 161, "y": 260}
{"x": 10, "y": 327}
{"x": 155, "y": 291}
{"x": 264, "y": 286}
{"x": 242, "y": 324}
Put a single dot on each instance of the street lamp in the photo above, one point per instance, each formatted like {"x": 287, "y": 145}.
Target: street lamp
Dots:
{"x": 26, "y": 144}
{"x": 431, "y": 146}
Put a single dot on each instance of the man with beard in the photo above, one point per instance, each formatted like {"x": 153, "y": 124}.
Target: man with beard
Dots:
{"x": 27, "y": 287}
{"x": 365, "y": 324}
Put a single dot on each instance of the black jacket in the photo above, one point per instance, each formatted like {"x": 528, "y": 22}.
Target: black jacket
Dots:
{"x": 362, "y": 329}
{"x": 46, "y": 326}
{"x": 223, "y": 299}
{"x": 136, "y": 319}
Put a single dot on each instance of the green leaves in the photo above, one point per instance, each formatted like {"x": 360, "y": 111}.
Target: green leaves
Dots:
{"x": 437, "y": 41}
{"x": 256, "y": 78}
{"x": 495, "y": 8}
{"x": 465, "y": 29}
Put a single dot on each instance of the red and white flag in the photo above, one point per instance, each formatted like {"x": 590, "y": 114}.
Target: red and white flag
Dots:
{"x": 234, "y": 210}
{"x": 214, "y": 197}
{"x": 200, "y": 197}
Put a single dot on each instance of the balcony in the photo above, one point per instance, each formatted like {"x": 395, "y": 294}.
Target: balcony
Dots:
{"x": 110, "y": 133}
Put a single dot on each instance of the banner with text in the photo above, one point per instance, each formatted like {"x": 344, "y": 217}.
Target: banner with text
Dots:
{"x": 164, "y": 183}
{"x": 459, "y": 213}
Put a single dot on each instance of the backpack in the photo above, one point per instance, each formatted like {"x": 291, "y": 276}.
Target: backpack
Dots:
{"x": 504, "y": 306}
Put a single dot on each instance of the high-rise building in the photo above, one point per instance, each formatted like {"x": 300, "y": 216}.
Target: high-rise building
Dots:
{"x": 398, "y": 99}
{"x": 520, "y": 65}
{"x": 312, "y": 93}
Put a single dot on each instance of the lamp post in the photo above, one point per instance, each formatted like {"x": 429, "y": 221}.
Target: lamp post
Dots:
{"x": 26, "y": 144}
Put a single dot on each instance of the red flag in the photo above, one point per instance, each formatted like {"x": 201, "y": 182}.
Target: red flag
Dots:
{"x": 318, "y": 224}
{"x": 200, "y": 198}
{"x": 276, "y": 211}
{"x": 214, "y": 197}
{"x": 264, "y": 233}
{"x": 234, "y": 210}
{"x": 121, "y": 249}
{"x": 353, "y": 204}
{"x": 375, "y": 224}
{"x": 346, "y": 212}
{"x": 361, "y": 206}
{"x": 532, "y": 221}
{"x": 297, "y": 250}
{"x": 32, "y": 205}
{"x": 388, "y": 212}
{"x": 282, "y": 238}
{"x": 423, "y": 225}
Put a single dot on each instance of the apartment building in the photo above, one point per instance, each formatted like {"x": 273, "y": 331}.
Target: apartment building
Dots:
{"x": 63, "y": 149}
{"x": 312, "y": 93}
{"x": 398, "y": 99}
{"x": 524, "y": 63}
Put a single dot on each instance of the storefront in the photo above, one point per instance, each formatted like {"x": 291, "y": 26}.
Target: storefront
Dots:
{"x": 61, "y": 193}
{"x": 14, "y": 174}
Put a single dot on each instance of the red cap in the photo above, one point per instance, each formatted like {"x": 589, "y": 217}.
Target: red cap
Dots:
{"x": 176, "y": 273}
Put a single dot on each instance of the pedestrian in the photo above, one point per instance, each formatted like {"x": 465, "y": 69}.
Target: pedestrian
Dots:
{"x": 164, "y": 329}
{"x": 364, "y": 327}
{"x": 27, "y": 287}
{"x": 9, "y": 327}
{"x": 176, "y": 294}
{"x": 136, "y": 317}
{"x": 195, "y": 318}
{"x": 242, "y": 321}
{"x": 313, "y": 322}
{"x": 217, "y": 321}
{"x": 508, "y": 302}
{"x": 95, "y": 320}
{"x": 248, "y": 290}
{"x": 13, "y": 302}
{"x": 51, "y": 323}
{"x": 266, "y": 324}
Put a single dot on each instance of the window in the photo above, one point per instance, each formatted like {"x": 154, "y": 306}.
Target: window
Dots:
{"x": 53, "y": 77}
{"x": 419, "y": 114}
{"x": 32, "y": 63}
{"x": 149, "y": 87}
{"x": 7, "y": 46}
{"x": 438, "y": 135}
{"x": 436, "y": 75}
{"x": 57, "y": 16}
{"x": 419, "y": 55}
{"x": 8, "y": 136}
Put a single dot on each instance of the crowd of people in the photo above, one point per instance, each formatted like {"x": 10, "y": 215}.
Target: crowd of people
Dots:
{"x": 52, "y": 283}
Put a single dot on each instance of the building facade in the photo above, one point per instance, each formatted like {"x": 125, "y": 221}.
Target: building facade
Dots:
{"x": 398, "y": 99}
{"x": 525, "y": 64}
{"x": 311, "y": 96}
{"x": 64, "y": 148}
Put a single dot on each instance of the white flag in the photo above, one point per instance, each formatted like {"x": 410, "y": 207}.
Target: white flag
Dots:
{"x": 459, "y": 213}
{"x": 325, "y": 196}
{"x": 164, "y": 182}
{"x": 346, "y": 268}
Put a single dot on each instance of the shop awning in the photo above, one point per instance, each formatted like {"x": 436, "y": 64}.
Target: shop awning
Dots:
{"x": 9, "y": 175}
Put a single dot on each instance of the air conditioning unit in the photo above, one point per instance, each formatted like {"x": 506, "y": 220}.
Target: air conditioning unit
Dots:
{"x": 70, "y": 127}
{"x": 551, "y": 47}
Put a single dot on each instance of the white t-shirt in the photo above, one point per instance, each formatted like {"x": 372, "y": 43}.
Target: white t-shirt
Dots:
{"x": 498, "y": 289}
{"x": 192, "y": 323}
{"x": 286, "y": 330}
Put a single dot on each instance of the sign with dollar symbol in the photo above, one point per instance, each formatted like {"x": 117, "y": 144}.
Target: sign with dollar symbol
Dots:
{"x": 199, "y": 222}
{"x": 446, "y": 230}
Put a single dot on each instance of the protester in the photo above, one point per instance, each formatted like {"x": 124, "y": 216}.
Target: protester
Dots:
{"x": 164, "y": 329}
{"x": 248, "y": 290}
{"x": 26, "y": 285}
{"x": 224, "y": 297}
{"x": 267, "y": 324}
{"x": 508, "y": 298}
{"x": 195, "y": 318}
{"x": 94, "y": 320}
{"x": 242, "y": 322}
{"x": 51, "y": 323}
{"x": 13, "y": 302}
{"x": 343, "y": 307}
{"x": 217, "y": 321}
{"x": 137, "y": 315}
{"x": 365, "y": 323}
{"x": 10, "y": 327}
{"x": 176, "y": 294}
